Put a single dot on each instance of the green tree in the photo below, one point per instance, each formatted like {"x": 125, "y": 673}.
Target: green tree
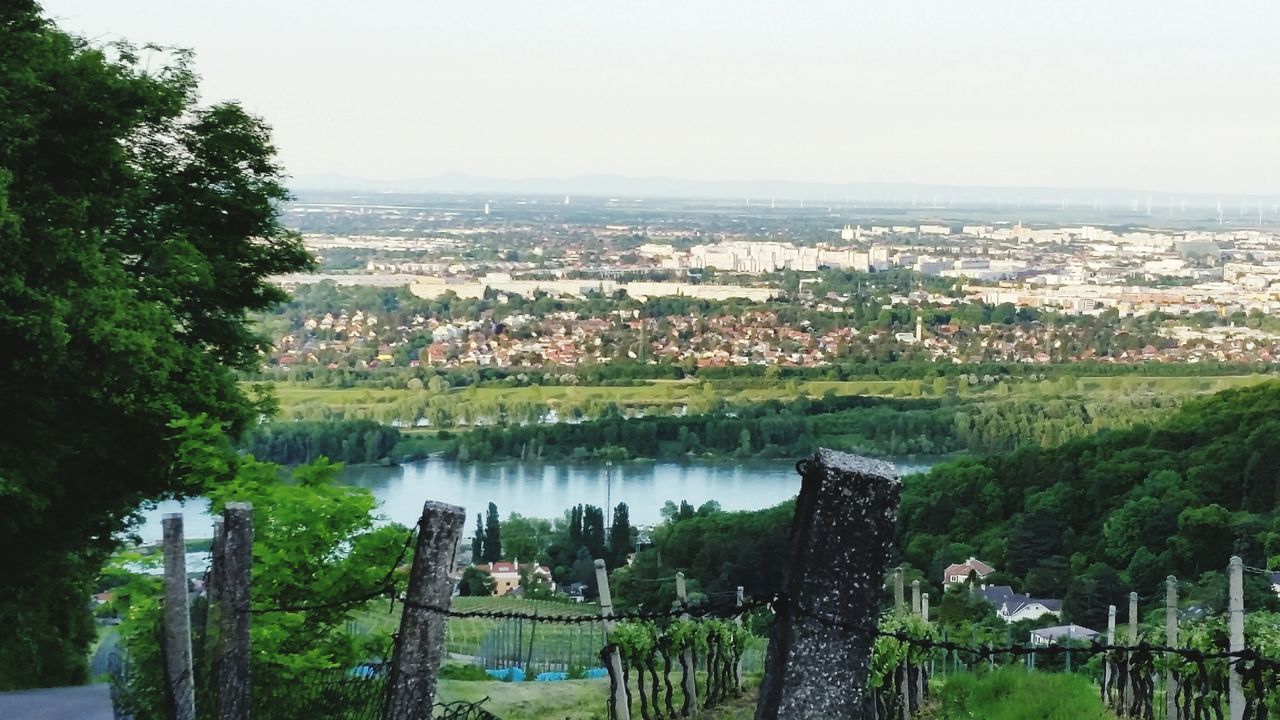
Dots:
{"x": 136, "y": 230}
{"x": 621, "y": 542}
{"x": 492, "y": 551}
{"x": 475, "y": 583}
{"x": 477, "y": 541}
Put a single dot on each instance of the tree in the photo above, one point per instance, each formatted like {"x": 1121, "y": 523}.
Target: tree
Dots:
{"x": 475, "y": 583}
{"x": 477, "y": 541}
{"x": 492, "y": 551}
{"x": 313, "y": 540}
{"x": 137, "y": 228}
{"x": 620, "y": 540}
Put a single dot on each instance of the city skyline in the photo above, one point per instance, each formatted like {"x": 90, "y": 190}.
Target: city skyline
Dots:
{"x": 1143, "y": 97}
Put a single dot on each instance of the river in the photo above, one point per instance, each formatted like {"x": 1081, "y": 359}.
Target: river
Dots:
{"x": 548, "y": 489}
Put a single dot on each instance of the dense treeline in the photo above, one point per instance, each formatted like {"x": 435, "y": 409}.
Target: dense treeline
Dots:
{"x": 773, "y": 429}
{"x": 1087, "y": 521}
{"x": 1098, "y": 516}
{"x": 624, "y": 372}
{"x": 346, "y": 441}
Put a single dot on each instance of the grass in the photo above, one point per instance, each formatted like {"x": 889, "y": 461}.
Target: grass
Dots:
{"x": 570, "y": 700}
{"x": 1016, "y": 694}
{"x": 677, "y": 393}
{"x": 504, "y": 642}
{"x": 565, "y": 700}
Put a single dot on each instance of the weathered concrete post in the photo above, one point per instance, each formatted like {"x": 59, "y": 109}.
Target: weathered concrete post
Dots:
{"x": 411, "y": 685}
{"x": 1171, "y": 638}
{"x": 1111, "y": 640}
{"x": 915, "y": 597}
{"x": 212, "y": 617}
{"x": 924, "y": 607}
{"x": 621, "y": 708}
{"x": 1235, "y": 621}
{"x": 178, "y": 663}
{"x": 737, "y": 668}
{"x": 898, "y": 602}
{"x": 690, "y": 685}
{"x": 840, "y": 540}
{"x": 1127, "y": 687}
{"x": 233, "y": 640}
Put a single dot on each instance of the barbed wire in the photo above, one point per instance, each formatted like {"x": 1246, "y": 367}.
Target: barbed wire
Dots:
{"x": 386, "y": 587}
{"x": 987, "y": 652}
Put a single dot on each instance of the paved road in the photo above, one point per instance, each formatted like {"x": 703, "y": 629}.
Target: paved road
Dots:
{"x": 88, "y": 702}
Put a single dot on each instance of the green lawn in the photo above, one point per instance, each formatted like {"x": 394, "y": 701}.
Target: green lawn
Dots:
{"x": 541, "y": 645}
{"x": 677, "y": 393}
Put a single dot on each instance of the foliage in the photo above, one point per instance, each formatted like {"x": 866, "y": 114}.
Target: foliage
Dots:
{"x": 1119, "y": 510}
{"x": 315, "y": 542}
{"x": 491, "y": 548}
{"x": 1014, "y": 694}
{"x": 346, "y": 441}
{"x": 475, "y": 583}
{"x": 137, "y": 228}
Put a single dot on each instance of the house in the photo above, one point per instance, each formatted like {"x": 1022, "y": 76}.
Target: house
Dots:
{"x": 1012, "y": 607}
{"x": 1057, "y": 634}
{"x": 959, "y": 572}
{"x": 576, "y": 591}
{"x": 506, "y": 575}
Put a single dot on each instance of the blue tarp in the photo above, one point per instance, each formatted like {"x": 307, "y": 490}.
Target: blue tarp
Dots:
{"x": 514, "y": 674}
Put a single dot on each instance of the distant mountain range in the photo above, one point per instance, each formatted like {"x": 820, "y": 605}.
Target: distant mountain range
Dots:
{"x": 898, "y": 194}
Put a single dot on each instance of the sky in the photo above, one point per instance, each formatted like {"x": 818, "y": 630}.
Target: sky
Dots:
{"x": 1160, "y": 95}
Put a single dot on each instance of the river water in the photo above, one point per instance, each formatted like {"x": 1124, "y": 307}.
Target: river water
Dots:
{"x": 548, "y": 489}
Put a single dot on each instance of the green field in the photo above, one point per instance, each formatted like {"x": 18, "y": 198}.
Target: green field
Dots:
{"x": 503, "y": 641}
{"x": 360, "y": 401}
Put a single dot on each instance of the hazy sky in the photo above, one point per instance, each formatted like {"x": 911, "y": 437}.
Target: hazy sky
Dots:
{"x": 1139, "y": 94}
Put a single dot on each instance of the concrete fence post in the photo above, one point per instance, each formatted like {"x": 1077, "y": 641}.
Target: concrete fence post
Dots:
{"x": 1171, "y": 639}
{"x": 840, "y": 540}
{"x": 178, "y": 663}
{"x": 1107, "y": 669}
{"x": 621, "y": 707}
{"x": 690, "y": 684}
{"x": 915, "y": 597}
{"x": 898, "y": 602}
{"x": 236, "y": 576}
{"x": 1235, "y": 619}
{"x": 411, "y": 684}
{"x": 924, "y": 607}
{"x": 737, "y": 669}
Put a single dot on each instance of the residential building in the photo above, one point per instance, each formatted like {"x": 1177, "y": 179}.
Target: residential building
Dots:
{"x": 1059, "y": 633}
{"x": 1013, "y": 607}
{"x": 959, "y": 572}
{"x": 506, "y": 575}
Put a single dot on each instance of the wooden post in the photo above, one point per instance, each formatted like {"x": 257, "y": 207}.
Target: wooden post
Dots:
{"x": 622, "y": 709}
{"x": 915, "y": 597}
{"x": 1171, "y": 639}
{"x": 691, "y": 677}
{"x": 178, "y": 665}
{"x": 840, "y": 540}
{"x": 411, "y": 685}
{"x": 1235, "y": 619}
{"x": 233, "y": 643}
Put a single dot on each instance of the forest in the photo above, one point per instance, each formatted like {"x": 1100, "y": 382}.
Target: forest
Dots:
{"x": 776, "y": 429}
{"x": 1087, "y": 521}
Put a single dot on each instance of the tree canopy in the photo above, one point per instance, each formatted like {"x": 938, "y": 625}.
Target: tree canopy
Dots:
{"x": 137, "y": 228}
